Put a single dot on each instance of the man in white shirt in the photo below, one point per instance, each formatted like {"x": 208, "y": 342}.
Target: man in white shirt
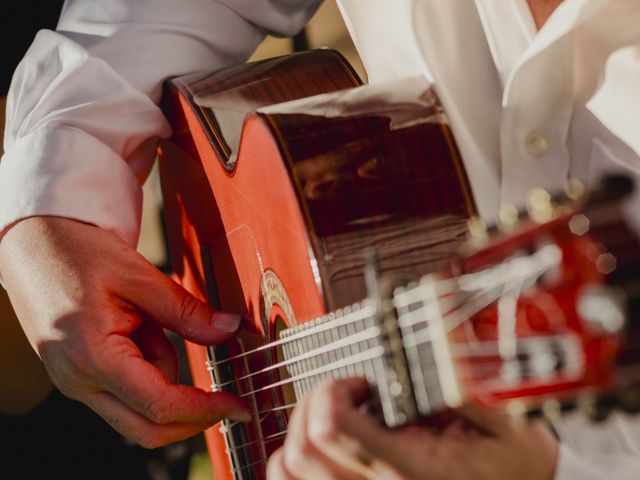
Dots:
{"x": 529, "y": 109}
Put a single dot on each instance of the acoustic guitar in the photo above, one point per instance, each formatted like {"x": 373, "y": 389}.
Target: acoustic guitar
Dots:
{"x": 339, "y": 217}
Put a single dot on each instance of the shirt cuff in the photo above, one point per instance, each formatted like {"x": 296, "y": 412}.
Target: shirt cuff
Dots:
{"x": 66, "y": 172}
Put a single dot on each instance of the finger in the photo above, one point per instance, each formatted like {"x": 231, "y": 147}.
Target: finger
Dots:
{"x": 144, "y": 388}
{"x": 332, "y": 404}
{"x": 493, "y": 422}
{"x": 390, "y": 447}
{"x": 276, "y": 469}
{"x": 302, "y": 458}
{"x": 136, "y": 427}
{"x": 158, "y": 350}
{"x": 172, "y": 307}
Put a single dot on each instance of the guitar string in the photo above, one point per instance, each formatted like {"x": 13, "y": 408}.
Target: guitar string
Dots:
{"x": 361, "y": 356}
{"x": 442, "y": 286}
{"x": 346, "y": 362}
{"x": 368, "y": 334}
{"x": 477, "y": 370}
{"x": 477, "y": 373}
{"x": 363, "y": 335}
{"x": 363, "y": 311}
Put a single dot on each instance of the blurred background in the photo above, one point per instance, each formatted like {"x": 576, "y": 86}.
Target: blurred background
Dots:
{"x": 41, "y": 431}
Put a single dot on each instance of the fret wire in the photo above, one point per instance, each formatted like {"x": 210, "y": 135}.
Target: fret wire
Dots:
{"x": 373, "y": 353}
{"x": 312, "y": 360}
{"x": 326, "y": 357}
{"x": 249, "y": 465}
{"x": 333, "y": 334}
{"x": 308, "y": 363}
{"x": 288, "y": 352}
{"x": 279, "y": 408}
{"x": 268, "y": 439}
{"x": 343, "y": 371}
{"x": 368, "y": 366}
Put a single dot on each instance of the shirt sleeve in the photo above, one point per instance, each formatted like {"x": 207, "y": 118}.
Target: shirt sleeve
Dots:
{"x": 574, "y": 466}
{"x": 604, "y": 450}
{"x": 82, "y": 108}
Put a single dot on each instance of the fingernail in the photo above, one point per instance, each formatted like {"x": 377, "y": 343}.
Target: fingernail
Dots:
{"x": 244, "y": 417}
{"x": 227, "y": 322}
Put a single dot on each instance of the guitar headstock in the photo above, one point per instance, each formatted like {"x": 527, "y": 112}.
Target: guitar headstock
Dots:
{"x": 537, "y": 315}
{"x": 564, "y": 337}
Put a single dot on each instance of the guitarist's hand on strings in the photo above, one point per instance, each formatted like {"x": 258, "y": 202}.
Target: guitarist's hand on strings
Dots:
{"x": 330, "y": 438}
{"x": 95, "y": 311}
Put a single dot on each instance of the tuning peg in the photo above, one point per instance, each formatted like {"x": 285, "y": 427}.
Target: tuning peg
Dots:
{"x": 574, "y": 189}
{"x": 478, "y": 235}
{"x": 518, "y": 411}
{"x": 552, "y": 411}
{"x": 508, "y": 218}
{"x": 539, "y": 205}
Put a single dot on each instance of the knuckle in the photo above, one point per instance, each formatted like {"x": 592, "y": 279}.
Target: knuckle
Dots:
{"x": 158, "y": 411}
{"x": 70, "y": 371}
{"x": 274, "y": 467}
{"x": 322, "y": 431}
{"x": 297, "y": 457}
{"x": 187, "y": 306}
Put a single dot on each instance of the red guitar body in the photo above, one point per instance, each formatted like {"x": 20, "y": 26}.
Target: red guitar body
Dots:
{"x": 274, "y": 223}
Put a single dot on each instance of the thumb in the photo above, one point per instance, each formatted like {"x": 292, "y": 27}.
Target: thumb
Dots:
{"x": 172, "y": 307}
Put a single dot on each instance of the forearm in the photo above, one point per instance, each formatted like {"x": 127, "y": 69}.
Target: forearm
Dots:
{"x": 82, "y": 111}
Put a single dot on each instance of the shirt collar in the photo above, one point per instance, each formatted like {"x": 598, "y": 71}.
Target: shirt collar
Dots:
{"x": 510, "y": 30}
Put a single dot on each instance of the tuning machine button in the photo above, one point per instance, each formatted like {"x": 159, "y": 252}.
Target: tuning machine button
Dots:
{"x": 478, "y": 235}
{"x": 508, "y": 218}
{"x": 603, "y": 308}
{"x": 575, "y": 189}
{"x": 539, "y": 205}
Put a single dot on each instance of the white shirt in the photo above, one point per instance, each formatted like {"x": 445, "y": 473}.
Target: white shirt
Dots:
{"x": 528, "y": 109}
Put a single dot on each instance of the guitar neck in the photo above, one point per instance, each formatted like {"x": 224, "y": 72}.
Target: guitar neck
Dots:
{"x": 405, "y": 347}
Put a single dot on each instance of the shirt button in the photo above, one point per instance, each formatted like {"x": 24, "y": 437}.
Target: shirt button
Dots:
{"x": 536, "y": 144}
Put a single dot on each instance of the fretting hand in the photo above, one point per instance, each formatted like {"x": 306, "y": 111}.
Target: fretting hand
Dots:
{"x": 330, "y": 438}
{"x": 95, "y": 310}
